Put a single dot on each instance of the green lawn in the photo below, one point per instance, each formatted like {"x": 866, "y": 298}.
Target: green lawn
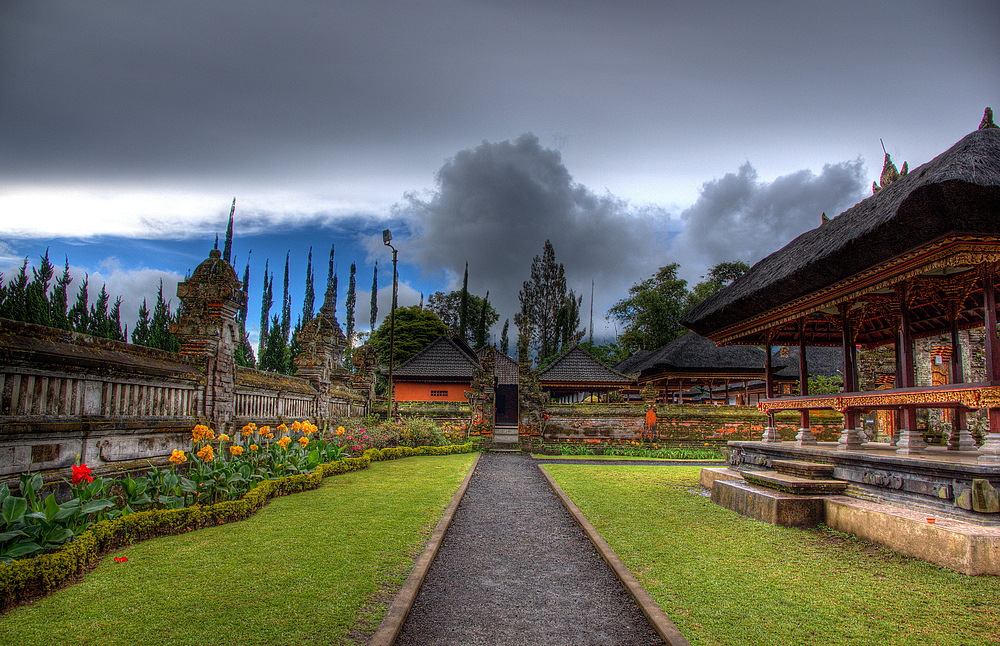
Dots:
{"x": 728, "y": 580}
{"x": 540, "y": 456}
{"x": 317, "y": 567}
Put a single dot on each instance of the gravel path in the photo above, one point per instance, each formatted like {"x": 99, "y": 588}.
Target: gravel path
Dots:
{"x": 514, "y": 568}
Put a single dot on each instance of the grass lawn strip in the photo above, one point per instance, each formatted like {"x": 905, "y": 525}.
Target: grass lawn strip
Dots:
{"x": 540, "y": 456}
{"x": 726, "y": 580}
{"x": 303, "y": 570}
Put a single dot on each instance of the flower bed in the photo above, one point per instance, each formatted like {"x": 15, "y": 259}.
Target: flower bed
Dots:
{"x": 226, "y": 481}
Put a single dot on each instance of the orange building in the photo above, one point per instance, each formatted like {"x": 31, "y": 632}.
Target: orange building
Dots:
{"x": 443, "y": 371}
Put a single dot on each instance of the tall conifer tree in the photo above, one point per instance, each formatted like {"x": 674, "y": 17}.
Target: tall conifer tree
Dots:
{"x": 309, "y": 300}
{"x": 463, "y": 312}
{"x": 59, "y": 302}
{"x": 79, "y": 314}
{"x": 374, "y": 307}
{"x": 286, "y": 305}
{"x": 505, "y": 337}
{"x": 480, "y": 337}
{"x": 351, "y": 299}
{"x": 36, "y": 295}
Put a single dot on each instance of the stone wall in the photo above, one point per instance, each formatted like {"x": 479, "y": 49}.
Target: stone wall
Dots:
{"x": 65, "y": 394}
{"x": 675, "y": 424}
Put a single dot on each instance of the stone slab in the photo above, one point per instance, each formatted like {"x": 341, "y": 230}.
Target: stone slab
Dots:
{"x": 964, "y": 547}
{"x": 709, "y": 475}
{"x": 794, "y": 484}
{"x": 768, "y": 505}
{"x": 804, "y": 469}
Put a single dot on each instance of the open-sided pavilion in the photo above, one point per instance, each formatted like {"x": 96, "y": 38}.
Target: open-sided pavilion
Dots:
{"x": 919, "y": 258}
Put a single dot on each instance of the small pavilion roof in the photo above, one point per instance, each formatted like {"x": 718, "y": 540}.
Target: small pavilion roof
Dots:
{"x": 577, "y": 366}
{"x": 693, "y": 353}
{"x": 443, "y": 358}
{"x": 955, "y": 194}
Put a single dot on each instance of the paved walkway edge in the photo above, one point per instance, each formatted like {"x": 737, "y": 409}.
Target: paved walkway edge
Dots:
{"x": 657, "y": 618}
{"x": 401, "y": 604}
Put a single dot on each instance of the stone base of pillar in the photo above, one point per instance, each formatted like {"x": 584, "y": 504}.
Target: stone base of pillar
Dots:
{"x": 849, "y": 440}
{"x": 805, "y": 437}
{"x": 910, "y": 442}
{"x": 770, "y": 435}
{"x": 961, "y": 440}
{"x": 989, "y": 452}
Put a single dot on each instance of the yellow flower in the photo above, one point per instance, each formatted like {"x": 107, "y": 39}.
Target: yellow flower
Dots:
{"x": 340, "y": 430}
{"x": 206, "y": 453}
{"x": 199, "y": 433}
{"x": 236, "y": 449}
{"x": 303, "y": 441}
{"x": 254, "y": 447}
{"x": 265, "y": 431}
{"x": 223, "y": 438}
{"x": 178, "y": 456}
{"x": 282, "y": 428}
{"x": 209, "y": 434}
{"x": 248, "y": 429}
{"x": 296, "y": 426}
{"x": 284, "y": 441}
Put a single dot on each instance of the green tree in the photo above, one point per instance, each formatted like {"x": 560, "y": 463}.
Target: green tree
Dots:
{"x": 160, "y": 335}
{"x": 266, "y": 302}
{"x": 610, "y": 354}
{"x": 718, "y": 277}
{"x": 652, "y": 310}
{"x": 415, "y": 329}
{"x": 274, "y": 353}
{"x": 481, "y": 336}
{"x": 463, "y": 307}
{"x": 140, "y": 333}
{"x": 505, "y": 337}
{"x": 542, "y": 297}
{"x": 15, "y": 297}
{"x": 36, "y": 295}
{"x": 59, "y": 300}
{"x": 79, "y": 314}
{"x": 374, "y": 302}
{"x": 448, "y": 307}
{"x": 350, "y": 304}
{"x": 309, "y": 300}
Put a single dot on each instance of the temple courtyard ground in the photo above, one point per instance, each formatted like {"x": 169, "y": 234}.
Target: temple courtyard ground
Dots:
{"x": 320, "y": 567}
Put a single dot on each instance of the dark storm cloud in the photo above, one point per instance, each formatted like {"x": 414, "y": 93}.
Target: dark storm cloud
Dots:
{"x": 495, "y": 206}
{"x": 739, "y": 217}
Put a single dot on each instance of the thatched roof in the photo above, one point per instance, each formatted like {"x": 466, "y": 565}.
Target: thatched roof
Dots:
{"x": 443, "y": 358}
{"x": 577, "y": 366}
{"x": 821, "y": 361}
{"x": 694, "y": 353}
{"x": 629, "y": 365}
{"x": 958, "y": 192}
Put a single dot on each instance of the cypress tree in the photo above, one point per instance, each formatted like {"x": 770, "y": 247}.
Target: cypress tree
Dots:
{"x": 286, "y": 305}
{"x": 15, "y": 301}
{"x": 309, "y": 300}
{"x": 505, "y": 338}
{"x": 99, "y": 322}
{"x": 59, "y": 301}
{"x": 227, "y": 250}
{"x": 115, "y": 320}
{"x": 374, "y": 308}
{"x": 351, "y": 298}
{"x": 480, "y": 337}
{"x": 273, "y": 353}
{"x": 266, "y": 301}
{"x": 79, "y": 314}
{"x": 463, "y": 311}
{"x": 36, "y": 294}
{"x": 140, "y": 333}
{"x": 159, "y": 326}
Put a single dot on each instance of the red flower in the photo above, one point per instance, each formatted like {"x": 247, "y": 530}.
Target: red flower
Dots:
{"x": 121, "y": 559}
{"x": 81, "y": 473}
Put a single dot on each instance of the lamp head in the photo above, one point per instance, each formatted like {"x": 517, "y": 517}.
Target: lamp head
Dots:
{"x": 386, "y": 237}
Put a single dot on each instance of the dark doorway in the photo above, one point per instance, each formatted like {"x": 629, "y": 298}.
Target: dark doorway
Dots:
{"x": 506, "y": 414}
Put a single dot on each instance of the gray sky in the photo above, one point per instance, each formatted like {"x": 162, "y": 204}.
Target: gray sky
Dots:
{"x": 631, "y": 134}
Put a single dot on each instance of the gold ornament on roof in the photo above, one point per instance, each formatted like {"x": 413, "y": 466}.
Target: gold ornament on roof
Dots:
{"x": 987, "y": 121}
{"x": 889, "y": 172}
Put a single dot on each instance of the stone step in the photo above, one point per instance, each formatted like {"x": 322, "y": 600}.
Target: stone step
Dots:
{"x": 804, "y": 469}
{"x": 788, "y": 483}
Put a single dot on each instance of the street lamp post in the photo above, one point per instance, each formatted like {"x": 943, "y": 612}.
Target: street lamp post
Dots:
{"x": 387, "y": 240}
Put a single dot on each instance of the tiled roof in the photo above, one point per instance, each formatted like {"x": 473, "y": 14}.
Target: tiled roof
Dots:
{"x": 576, "y": 365}
{"x": 444, "y": 357}
{"x": 693, "y": 351}
{"x": 504, "y": 366}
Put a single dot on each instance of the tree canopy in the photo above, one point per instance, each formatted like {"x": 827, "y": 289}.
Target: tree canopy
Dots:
{"x": 415, "y": 329}
{"x": 448, "y": 308}
{"x": 651, "y": 313}
{"x": 550, "y": 313}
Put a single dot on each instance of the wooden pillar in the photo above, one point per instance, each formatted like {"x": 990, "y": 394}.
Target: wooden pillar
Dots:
{"x": 849, "y": 438}
{"x": 960, "y": 439}
{"x": 805, "y": 435}
{"x": 910, "y": 440}
{"x": 770, "y": 431}
{"x": 990, "y": 450}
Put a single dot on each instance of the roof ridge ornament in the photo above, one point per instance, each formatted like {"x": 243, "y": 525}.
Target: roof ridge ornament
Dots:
{"x": 889, "y": 172}
{"x": 987, "y": 121}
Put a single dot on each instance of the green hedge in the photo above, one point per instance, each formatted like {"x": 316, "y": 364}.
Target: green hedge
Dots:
{"x": 25, "y": 579}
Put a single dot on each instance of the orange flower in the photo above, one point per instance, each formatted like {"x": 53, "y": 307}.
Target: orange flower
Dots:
{"x": 177, "y": 457}
{"x": 265, "y": 431}
{"x": 254, "y": 447}
{"x": 282, "y": 428}
{"x": 296, "y": 426}
{"x": 284, "y": 442}
{"x": 223, "y": 438}
{"x": 303, "y": 441}
{"x": 206, "y": 453}
{"x": 248, "y": 429}
{"x": 340, "y": 430}
{"x": 236, "y": 449}
{"x": 199, "y": 433}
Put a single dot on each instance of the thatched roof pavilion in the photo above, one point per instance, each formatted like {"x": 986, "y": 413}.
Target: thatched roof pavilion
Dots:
{"x": 920, "y": 257}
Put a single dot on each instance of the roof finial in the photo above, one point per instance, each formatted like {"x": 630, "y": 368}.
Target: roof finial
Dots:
{"x": 227, "y": 251}
{"x": 889, "y": 172}
{"x": 987, "y": 121}
{"x": 823, "y": 218}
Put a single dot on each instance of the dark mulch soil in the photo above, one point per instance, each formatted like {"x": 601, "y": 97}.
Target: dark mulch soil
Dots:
{"x": 514, "y": 568}
{"x": 613, "y": 460}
